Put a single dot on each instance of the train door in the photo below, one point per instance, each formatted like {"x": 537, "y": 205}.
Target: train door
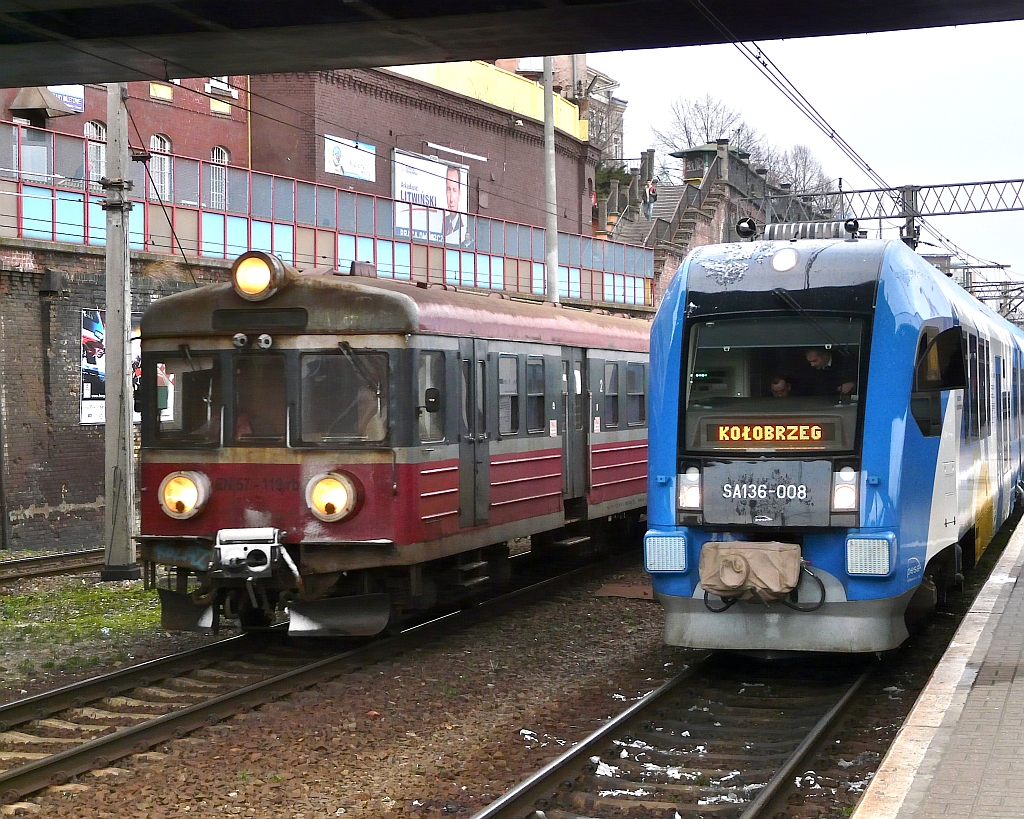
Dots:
{"x": 573, "y": 424}
{"x": 474, "y": 443}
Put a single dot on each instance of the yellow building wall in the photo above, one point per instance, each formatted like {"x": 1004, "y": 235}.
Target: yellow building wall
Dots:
{"x": 488, "y": 83}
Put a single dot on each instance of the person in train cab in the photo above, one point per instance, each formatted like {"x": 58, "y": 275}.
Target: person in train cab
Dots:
{"x": 259, "y": 401}
{"x": 780, "y": 386}
{"x": 831, "y": 372}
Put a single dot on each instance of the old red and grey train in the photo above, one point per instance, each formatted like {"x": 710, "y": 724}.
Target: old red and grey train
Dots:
{"x": 352, "y": 450}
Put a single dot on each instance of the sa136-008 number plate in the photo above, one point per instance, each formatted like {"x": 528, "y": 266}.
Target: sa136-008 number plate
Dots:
{"x": 767, "y": 493}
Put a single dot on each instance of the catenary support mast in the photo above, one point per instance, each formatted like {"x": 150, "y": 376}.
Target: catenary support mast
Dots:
{"x": 118, "y": 464}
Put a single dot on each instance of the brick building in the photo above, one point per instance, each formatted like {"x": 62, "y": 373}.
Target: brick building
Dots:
{"x": 203, "y": 118}
{"x": 499, "y": 142}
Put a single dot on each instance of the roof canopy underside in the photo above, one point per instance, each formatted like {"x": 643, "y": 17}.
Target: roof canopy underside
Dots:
{"x": 45, "y": 42}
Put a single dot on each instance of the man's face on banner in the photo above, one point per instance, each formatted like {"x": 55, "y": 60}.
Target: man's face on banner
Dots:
{"x": 453, "y": 188}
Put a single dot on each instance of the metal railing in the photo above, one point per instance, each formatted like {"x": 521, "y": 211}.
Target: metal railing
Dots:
{"x": 50, "y": 189}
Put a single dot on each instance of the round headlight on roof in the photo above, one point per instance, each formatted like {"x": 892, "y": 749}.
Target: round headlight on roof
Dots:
{"x": 332, "y": 497}
{"x": 184, "y": 494}
{"x": 257, "y": 275}
{"x": 785, "y": 259}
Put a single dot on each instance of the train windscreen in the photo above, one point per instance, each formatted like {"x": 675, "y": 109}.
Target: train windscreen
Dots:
{"x": 773, "y": 383}
{"x": 344, "y": 397}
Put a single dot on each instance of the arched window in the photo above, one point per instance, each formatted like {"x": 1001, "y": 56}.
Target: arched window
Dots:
{"x": 160, "y": 168}
{"x": 96, "y": 134}
{"x": 218, "y": 176}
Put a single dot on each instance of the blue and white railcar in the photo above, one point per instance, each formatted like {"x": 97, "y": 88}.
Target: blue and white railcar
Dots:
{"x": 840, "y": 404}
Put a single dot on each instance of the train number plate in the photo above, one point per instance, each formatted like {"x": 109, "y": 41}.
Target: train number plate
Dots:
{"x": 767, "y": 493}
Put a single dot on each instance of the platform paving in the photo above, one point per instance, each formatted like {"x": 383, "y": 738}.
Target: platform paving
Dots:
{"x": 961, "y": 751}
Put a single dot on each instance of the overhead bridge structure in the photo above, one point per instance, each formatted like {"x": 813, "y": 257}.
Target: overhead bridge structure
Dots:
{"x": 74, "y": 41}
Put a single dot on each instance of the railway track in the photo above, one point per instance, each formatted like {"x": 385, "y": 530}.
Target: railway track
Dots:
{"x": 49, "y": 738}
{"x": 722, "y": 739}
{"x": 86, "y": 560}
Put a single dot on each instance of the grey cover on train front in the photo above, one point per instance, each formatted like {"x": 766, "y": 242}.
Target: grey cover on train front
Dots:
{"x": 767, "y": 493}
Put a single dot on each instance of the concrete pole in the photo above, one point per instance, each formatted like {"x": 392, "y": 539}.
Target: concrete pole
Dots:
{"x": 118, "y": 462}
{"x": 550, "y": 198}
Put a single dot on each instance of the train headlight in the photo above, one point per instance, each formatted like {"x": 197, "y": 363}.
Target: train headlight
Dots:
{"x": 689, "y": 489}
{"x": 785, "y": 259}
{"x": 331, "y": 497}
{"x": 844, "y": 490}
{"x": 257, "y": 275}
{"x": 184, "y": 494}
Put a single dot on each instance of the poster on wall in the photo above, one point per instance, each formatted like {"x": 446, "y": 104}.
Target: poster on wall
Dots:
{"x": 347, "y": 157}
{"x": 432, "y": 199}
{"x": 94, "y": 369}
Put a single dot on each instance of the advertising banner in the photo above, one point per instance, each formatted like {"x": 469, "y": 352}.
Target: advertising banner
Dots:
{"x": 346, "y": 157}
{"x": 432, "y": 199}
{"x": 94, "y": 369}
{"x": 73, "y": 96}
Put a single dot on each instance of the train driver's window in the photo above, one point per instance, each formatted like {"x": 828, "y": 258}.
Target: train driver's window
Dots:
{"x": 260, "y": 400}
{"x": 189, "y": 400}
{"x": 534, "y": 394}
{"x": 636, "y": 400}
{"x": 344, "y": 397}
{"x": 430, "y": 374}
{"x": 508, "y": 394}
{"x": 611, "y": 394}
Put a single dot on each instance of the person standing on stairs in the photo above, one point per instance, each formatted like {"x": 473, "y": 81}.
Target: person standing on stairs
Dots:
{"x": 648, "y": 197}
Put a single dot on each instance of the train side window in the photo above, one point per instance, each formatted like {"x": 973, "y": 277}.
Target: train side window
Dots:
{"x": 467, "y": 396}
{"x": 611, "y": 394}
{"x": 344, "y": 397}
{"x": 983, "y": 381}
{"x": 508, "y": 394}
{"x": 189, "y": 399}
{"x": 430, "y": 375}
{"x": 972, "y": 382}
{"x": 636, "y": 400}
{"x": 534, "y": 394}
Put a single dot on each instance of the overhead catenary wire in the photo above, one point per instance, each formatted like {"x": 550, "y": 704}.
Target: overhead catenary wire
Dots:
{"x": 755, "y": 54}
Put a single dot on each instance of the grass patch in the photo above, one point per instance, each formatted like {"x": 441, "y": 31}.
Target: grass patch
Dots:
{"x": 79, "y": 611}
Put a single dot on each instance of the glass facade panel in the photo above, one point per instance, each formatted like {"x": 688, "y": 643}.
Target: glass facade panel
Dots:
{"x": 262, "y": 196}
{"x": 305, "y": 203}
{"x": 326, "y": 207}
{"x": 347, "y": 211}
{"x": 284, "y": 200}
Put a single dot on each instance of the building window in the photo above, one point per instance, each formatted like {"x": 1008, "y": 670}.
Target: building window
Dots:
{"x": 159, "y": 91}
{"x": 160, "y": 167}
{"x": 221, "y": 86}
{"x": 219, "y": 157}
{"x": 96, "y": 133}
{"x": 535, "y": 394}
{"x": 531, "y": 64}
{"x": 508, "y": 395}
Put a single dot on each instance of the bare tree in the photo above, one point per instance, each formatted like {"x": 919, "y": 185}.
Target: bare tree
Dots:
{"x": 693, "y": 123}
{"x": 801, "y": 168}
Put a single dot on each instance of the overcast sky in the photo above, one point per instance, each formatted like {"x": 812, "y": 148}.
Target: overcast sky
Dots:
{"x": 921, "y": 107}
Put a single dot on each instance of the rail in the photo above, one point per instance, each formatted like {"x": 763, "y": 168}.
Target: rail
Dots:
{"x": 206, "y": 685}
{"x": 84, "y": 560}
{"x": 709, "y": 737}
{"x": 50, "y": 189}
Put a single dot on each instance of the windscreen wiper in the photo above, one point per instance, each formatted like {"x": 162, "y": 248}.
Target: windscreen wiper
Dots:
{"x": 358, "y": 366}
{"x": 786, "y": 298}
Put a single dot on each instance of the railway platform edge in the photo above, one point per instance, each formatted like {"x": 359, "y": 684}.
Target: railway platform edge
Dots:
{"x": 958, "y": 753}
